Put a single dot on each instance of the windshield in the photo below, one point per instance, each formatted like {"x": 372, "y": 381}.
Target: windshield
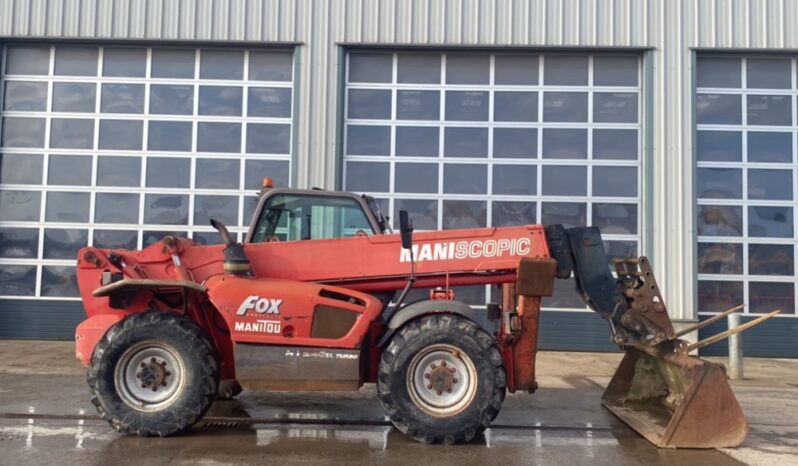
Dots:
{"x": 292, "y": 217}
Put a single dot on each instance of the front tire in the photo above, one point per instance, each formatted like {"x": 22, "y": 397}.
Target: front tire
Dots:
{"x": 153, "y": 373}
{"x": 441, "y": 379}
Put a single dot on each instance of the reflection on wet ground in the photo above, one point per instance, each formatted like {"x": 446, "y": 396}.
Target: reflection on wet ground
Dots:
{"x": 230, "y": 435}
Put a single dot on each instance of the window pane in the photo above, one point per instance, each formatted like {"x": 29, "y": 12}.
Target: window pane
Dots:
{"x": 516, "y": 70}
{"x": 423, "y": 213}
{"x": 20, "y": 169}
{"x": 168, "y": 99}
{"x": 720, "y": 258}
{"x": 719, "y": 146}
{"x": 719, "y": 183}
{"x": 720, "y": 220}
{"x": 565, "y": 70}
{"x": 256, "y": 170}
{"x": 717, "y": 296}
{"x": 770, "y": 184}
{"x": 769, "y": 147}
{"x": 615, "y": 144}
{"x": 76, "y": 61}
{"x": 464, "y": 214}
{"x": 64, "y": 244}
{"x": 206, "y": 237}
{"x": 173, "y": 63}
{"x": 168, "y": 172}
{"x": 71, "y": 133}
{"x": 220, "y": 100}
{"x": 615, "y": 219}
{"x": 217, "y": 174}
{"x": 369, "y": 104}
{"x": 765, "y": 297}
{"x": 614, "y": 71}
{"x": 416, "y": 178}
{"x": 718, "y": 109}
{"x": 218, "y": 137}
{"x": 416, "y": 105}
{"x": 515, "y": 106}
{"x": 770, "y": 110}
{"x": 28, "y": 59}
{"x": 116, "y": 239}
{"x": 718, "y": 72}
{"x": 515, "y": 179}
{"x": 67, "y": 207}
{"x": 222, "y": 208}
{"x": 23, "y": 96}
{"x": 771, "y": 259}
{"x": 771, "y": 222}
{"x": 417, "y": 141}
{"x": 121, "y": 134}
{"x": 768, "y": 73}
{"x": 124, "y": 62}
{"x": 565, "y": 296}
{"x": 20, "y": 206}
{"x": 166, "y": 209}
{"x": 169, "y": 136}
{"x": 515, "y": 142}
{"x": 465, "y": 179}
{"x": 221, "y": 64}
{"x": 370, "y": 67}
{"x": 118, "y": 171}
{"x": 368, "y": 176}
{"x": 615, "y": 181}
{"x": 419, "y": 68}
{"x": 565, "y": 106}
{"x": 269, "y": 102}
{"x": 564, "y": 180}
{"x": 615, "y": 249}
{"x": 122, "y": 98}
{"x": 59, "y": 281}
{"x": 116, "y": 208}
{"x": 23, "y": 132}
{"x": 69, "y": 170}
{"x": 615, "y": 107}
{"x": 467, "y": 69}
{"x": 19, "y": 242}
{"x": 467, "y": 105}
{"x": 511, "y": 213}
{"x": 267, "y": 138}
{"x": 270, "y": 66}
{"x": 564, "y": 143}
{"x": 17, "y": 280}
{"x": 570, "y": 214}
{"x": 465, "y": 142}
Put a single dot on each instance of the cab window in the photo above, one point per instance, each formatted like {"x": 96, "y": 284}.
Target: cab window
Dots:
{"x": 291, "y": 217}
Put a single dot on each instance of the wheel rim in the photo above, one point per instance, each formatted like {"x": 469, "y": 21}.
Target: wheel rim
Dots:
{"x": 442, "y": 380}
{"x": 150, "y": 376}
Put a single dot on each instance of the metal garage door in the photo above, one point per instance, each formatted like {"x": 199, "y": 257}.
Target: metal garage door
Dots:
{"x": 116, "y": 146}
{"x": 479, "y": 139}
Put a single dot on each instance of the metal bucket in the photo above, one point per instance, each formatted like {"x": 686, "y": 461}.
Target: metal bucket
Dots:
{"x": 676, "y": 400}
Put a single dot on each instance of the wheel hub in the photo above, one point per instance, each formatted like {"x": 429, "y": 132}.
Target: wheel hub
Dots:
{"x": 442, "y": 380}
{"x": 149, "y": 376}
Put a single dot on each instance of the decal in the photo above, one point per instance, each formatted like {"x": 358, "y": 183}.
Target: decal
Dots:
{"x": 475, "y": 249}
{"x": 259, "y": 326}
{"x": 319, "y": 354}
{"x": 260, "y": 305}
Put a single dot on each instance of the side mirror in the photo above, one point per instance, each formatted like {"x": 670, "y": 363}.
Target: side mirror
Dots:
{"x": 405, "y": 229}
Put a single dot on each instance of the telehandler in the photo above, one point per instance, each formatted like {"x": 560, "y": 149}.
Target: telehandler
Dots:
{"x": 316, "y": 299}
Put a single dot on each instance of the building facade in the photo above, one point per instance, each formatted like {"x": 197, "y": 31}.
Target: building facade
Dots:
{"x": 671, "y": 125}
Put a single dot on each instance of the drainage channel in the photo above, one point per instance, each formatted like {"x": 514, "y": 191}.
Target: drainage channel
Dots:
{"x": 239, "y": 421}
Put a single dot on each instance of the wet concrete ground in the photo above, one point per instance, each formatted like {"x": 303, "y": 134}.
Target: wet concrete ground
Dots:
{"x": 46, "y": 418}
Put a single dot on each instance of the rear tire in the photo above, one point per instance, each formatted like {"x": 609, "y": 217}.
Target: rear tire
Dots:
{"x": 441, "y": 379}
{"x": 153, "y": 373}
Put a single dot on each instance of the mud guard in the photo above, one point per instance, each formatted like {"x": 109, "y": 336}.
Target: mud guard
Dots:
{"x": 419, "y": 308}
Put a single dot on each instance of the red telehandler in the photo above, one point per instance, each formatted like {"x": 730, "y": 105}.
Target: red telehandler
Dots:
{"x": 316, "y": 299}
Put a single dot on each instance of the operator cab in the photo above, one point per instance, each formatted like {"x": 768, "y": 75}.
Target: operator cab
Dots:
{"x": 297, "y": 215}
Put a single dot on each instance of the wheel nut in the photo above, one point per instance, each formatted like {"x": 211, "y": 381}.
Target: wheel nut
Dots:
{"x": 153, "y": 359}
{"x": 455, "y": 380}
{"x": 426, "y": 376}
{"x": 143, "y": 365}
{"x": 168, "y": 373}
{"x": 432, "y": 366}
{"x": 429, "y": 387}
{"x": 138, "y": 375}
{"x": 448, "y": 390}
{"x": 143, "y": 385}
{"x": 443, "y": 363}
{"x": 163, "y": 384}
{"x": 440, "y": 393}
{"x": 155, "y": 389}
